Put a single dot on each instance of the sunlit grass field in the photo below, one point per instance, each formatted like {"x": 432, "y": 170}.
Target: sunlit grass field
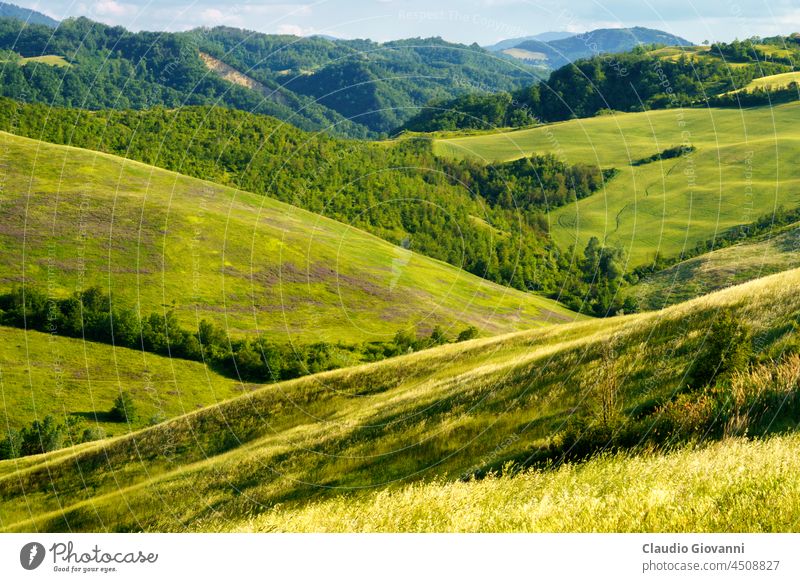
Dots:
{"x": 731, "y": 486}
{"x": 744, "y": 166}
{"x": 780, "y": 251}
{"x": 44, "y": 375}
{"x": 52, "y": 60}
{"x": 156, "y": 240}
{"x": 427, "y": 419}
{"x": 775, "y": 82}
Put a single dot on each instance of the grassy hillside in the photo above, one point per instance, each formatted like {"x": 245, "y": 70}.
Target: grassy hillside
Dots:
{"x": 718, "y": 269}
{"x": 773, "y": 81}
{"x": 153, "y": 239}
{"x": 43, "y": 374}
{"x": 439, "y": 414}
{"x": 704, "y": 490}
{"x": 744, "y": 166}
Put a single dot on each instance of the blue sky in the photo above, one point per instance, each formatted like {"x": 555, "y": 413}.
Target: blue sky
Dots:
{"x": 482, "y": 21}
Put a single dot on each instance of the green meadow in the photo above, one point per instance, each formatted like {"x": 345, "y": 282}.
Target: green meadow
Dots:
{"x": 42, "y": 374}
{"x": 429, "y": 419}
{"x": 744, "y": 166}
{"x": 719, "y": 269}
{"x": 706, "y": 489}
{"x": 156, "y": 240}
{"x": 778, "y": 81}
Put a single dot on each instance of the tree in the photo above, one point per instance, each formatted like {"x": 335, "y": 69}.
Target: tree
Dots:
{"x": 11, "y": 446}
{"x": 467, "y": 334}
{"x": 437, "y": 337}
{"x": 43, "y": 436}
{"x": 124, "y": 409}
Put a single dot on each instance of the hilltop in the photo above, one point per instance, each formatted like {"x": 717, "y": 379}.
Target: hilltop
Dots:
{"x": 556, "y": 53}
{"x": 26, "y": 15}
{"x": 644, "y": 78}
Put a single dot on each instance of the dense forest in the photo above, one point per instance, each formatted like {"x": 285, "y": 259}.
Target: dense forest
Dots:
{"x": 313, "y": 83}
{"x": 634, "y": 81}
{"x": 459, "y": 212}
{"x": 379, "y": 85}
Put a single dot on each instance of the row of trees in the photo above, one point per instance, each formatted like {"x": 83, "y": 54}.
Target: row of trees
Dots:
{"x": 46, "y": 435}
{"x": 90, "y": 315}
{"x": 767, "y": 223}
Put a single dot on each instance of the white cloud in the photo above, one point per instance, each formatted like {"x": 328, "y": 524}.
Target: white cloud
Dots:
{"x": 262, "y": 16}
{"x": 295, "y": 30}
{"x": 578, "y": 27}
{"x": 112, "y": 8}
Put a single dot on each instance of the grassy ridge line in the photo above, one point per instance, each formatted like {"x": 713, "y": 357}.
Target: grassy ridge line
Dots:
{"x": 44, "y": 374}
{"x": 778, "y": 81}
{"x": 719, "y": 269}
{"x": 710, "y": 489}
{"x": 434, "y": 414}
{"x": 244, "y": 261}
{"x": 745, "y": 166}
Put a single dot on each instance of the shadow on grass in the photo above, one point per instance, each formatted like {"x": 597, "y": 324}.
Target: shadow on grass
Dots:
{"x": 95, "y": 416}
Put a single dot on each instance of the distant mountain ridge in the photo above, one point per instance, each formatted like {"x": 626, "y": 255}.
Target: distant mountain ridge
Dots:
{"x": 542, "y": 36}
{"x": 557, "y": 53}
{"x": 26, "y": 15}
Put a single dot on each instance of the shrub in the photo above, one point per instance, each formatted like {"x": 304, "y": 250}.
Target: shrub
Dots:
{"x": 124, "y": 409}
{"x": 43, "y": 436}
{"x": 470, "y": 333}
{"x": 727, "y": 348}
{"x": 11, "y": 445}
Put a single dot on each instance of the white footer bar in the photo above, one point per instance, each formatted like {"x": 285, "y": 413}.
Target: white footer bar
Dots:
{"x": 402, "y": 557}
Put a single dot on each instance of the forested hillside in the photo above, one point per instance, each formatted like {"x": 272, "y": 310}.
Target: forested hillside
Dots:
{"x": 26, "y": 14}
{"x": 314, "y": 83}
{"x": 645, "y": 78}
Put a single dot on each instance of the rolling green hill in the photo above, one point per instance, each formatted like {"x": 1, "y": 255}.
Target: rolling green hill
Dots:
{"x": 778, "y": 81}
{"x": 155, "y": 239}
{"x": 719, "y": 269}
{"x": 744, "y": 166}
{"x": 445, "y": 413}
{"x": 43, "y": 374}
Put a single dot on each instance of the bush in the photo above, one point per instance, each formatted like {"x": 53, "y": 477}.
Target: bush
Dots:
{"x": 470, "y": 333}
{"x": 11, "y": 445}
{"x": 124, "y": 409}
{"x": 727, "y": 348}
